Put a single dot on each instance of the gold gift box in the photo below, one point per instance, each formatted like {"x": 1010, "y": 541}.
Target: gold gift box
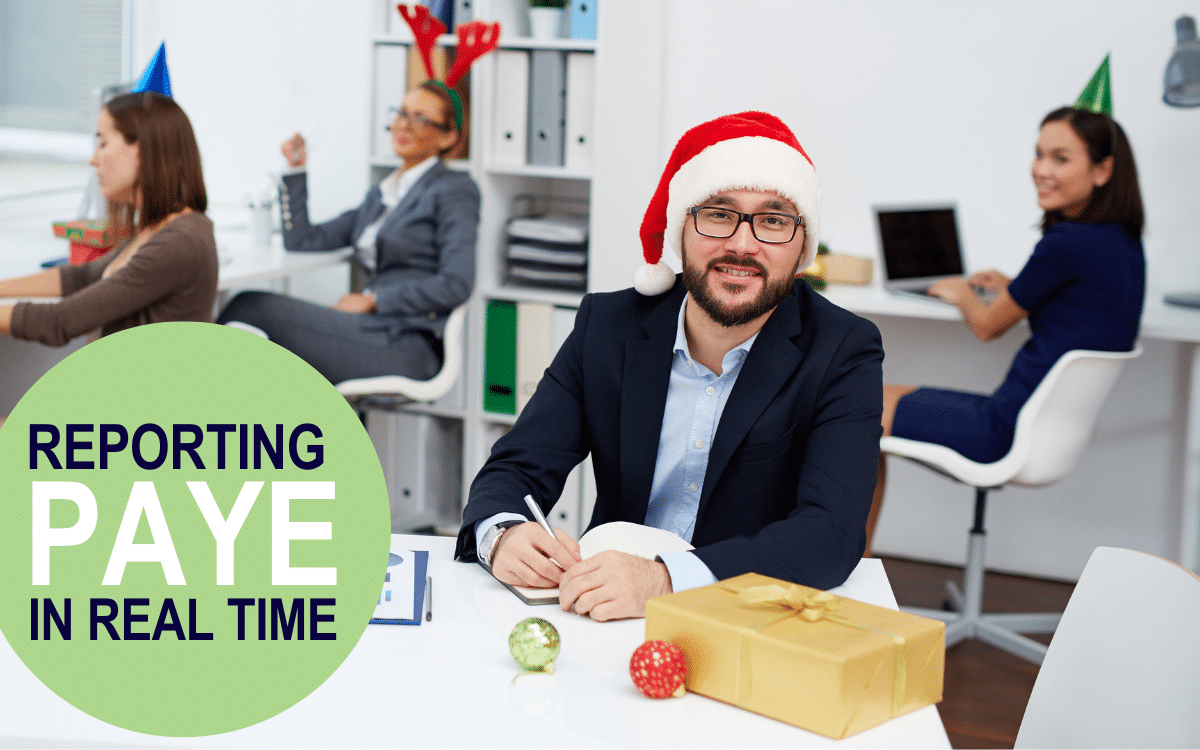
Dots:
{"x": 825, "y": 663}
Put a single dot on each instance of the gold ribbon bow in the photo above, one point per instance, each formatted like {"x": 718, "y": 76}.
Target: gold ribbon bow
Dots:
{"x": 812, "y": 607}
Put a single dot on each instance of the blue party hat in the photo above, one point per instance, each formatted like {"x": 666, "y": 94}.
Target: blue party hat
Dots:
{"x": 155, "y": 77}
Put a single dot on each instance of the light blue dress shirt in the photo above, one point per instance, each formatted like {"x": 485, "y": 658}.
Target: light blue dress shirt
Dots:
{"x": 696, "y": 397}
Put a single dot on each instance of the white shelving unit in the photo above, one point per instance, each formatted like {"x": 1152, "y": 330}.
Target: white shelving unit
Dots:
{"x": 461, "y": 413}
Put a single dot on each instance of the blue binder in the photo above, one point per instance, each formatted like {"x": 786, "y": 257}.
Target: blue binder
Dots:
{"x": 443, "y": 10}
{"x": 583, "y": 19}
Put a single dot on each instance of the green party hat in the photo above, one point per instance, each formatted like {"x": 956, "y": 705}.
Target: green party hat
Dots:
{"x": 1097, "y": 95}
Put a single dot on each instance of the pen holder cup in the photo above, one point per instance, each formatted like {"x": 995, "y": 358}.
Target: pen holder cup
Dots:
{"x": 260, "y": 225}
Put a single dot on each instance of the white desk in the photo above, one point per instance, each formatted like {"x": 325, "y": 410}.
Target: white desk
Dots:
{"x": 25, "y": 244}
{"x": 241, "y": 263}
{"x": 1160, "y": 321}
{"x": 448, "y": 683}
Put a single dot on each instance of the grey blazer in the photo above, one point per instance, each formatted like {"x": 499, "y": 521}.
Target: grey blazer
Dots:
{"x": 425, "y": 251}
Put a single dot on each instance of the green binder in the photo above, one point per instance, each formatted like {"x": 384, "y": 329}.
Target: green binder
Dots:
{"x": 500, "y": 358}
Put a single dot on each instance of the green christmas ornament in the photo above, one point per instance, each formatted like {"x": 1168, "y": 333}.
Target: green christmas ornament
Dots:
{"x": 534, "y": 644}
{"x": 1097, "y": 95}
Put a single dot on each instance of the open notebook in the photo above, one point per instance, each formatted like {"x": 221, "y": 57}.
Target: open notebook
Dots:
{"x": 631, "y": 538}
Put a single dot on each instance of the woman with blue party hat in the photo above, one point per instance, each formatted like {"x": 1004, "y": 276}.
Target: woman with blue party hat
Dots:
{"x": 148, "y": 169}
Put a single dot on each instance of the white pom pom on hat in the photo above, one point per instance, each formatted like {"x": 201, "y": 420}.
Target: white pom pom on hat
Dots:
{"x": 745, "y": 151}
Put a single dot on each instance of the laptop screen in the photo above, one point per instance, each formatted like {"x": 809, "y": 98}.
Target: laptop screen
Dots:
{"x": 919, "y": 243}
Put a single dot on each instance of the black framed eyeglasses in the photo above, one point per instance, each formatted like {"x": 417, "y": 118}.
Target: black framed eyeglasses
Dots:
{"x": 772, "y": 228}
{"x": 416, "y": 120}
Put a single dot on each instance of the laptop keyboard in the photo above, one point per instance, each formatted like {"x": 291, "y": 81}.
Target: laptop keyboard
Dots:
{"x": 984, "y": 294}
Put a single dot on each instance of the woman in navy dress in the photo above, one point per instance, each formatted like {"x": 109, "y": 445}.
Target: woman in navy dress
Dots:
{"x": 1082, "y": 288}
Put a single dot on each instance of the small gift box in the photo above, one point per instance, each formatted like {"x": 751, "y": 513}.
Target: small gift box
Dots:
{"x": 825, "y": 663}
{"x": 94, "y": 232}
{"x": 90, "y": 238}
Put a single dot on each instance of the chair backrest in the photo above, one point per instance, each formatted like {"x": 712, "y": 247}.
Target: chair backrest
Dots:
{"x": 1123, "y": 669}
{"x": 419, "y": 390}
{"x": 1056, "y": 423}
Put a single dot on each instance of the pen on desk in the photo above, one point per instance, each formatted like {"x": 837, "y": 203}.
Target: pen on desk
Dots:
{"x": 428, "y": 598}
{"x": 539, "y": 516}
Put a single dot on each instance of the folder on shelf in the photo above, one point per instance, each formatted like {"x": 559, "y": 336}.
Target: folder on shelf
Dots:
{"x": 583, "y": 19}
{"x": 438, "y": 57}
{"x": 547, "y": 103}
{"x": 509, "y": 136}
{"x": 543, "y": 276}
{"x": 500, "y": 358}
{"x": 547, "y": 253}
{"x": 464, "y": 12}
{"x": 535, "y": 343}
{"x": 513, "y": 18}
{"x": 564, "y": 228}
{"x": 567, "y": 511}
{"x": 578, "y": 138}
{"x": 391, "y": 74}
{"x": 444, "y": 10}
{"x": 562, "y": 324}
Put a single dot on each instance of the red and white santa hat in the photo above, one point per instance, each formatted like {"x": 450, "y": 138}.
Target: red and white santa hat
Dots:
{"x": 746, "y": 151}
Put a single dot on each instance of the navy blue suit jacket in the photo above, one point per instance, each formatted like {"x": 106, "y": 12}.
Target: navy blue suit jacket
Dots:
{"x": 792, "y": 465}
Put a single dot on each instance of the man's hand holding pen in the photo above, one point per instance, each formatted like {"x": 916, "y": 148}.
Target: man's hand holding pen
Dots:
{"x": 612, "y": 585}
{"x": 525, "y": 556}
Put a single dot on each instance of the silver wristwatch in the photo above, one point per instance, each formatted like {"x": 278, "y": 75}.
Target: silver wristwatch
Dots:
{"x": 487, "y": 545}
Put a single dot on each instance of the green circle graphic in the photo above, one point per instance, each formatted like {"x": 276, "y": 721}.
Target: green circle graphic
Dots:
{"x": 308, "y": 559}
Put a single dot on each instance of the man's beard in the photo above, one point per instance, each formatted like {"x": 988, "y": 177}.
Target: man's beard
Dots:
{"x": 696, "y": 282}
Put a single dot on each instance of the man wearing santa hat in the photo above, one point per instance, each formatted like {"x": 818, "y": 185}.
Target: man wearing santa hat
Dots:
{"x": 739, "y": 409}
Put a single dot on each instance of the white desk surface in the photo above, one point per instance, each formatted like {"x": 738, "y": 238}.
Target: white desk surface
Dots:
{"x": 1159, "y": 320}
{"x": 448, "y": 683}
{"x": 24, "y": 248}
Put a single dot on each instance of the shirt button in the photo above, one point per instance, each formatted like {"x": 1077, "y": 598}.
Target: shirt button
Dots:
{"x": 710, "y": 390}
{"x": 693, "y": 487}
{"x": 699, "y": 443}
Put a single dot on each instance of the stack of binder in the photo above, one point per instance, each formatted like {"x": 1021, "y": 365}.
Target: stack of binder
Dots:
{"x": 544, "y": 108}
{"x": 549, "y": 250}
{"x": 519, "y": 343}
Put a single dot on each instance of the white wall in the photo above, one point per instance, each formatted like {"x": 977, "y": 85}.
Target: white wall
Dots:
{"x": 938, "y": 99}
{"x": 249, "y": 74}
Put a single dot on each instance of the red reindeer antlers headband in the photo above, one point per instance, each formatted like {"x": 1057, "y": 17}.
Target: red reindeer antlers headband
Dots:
{"x": 475, "y": 39}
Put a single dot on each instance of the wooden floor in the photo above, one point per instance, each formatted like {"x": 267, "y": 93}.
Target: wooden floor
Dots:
{"x": 986, "y": 689}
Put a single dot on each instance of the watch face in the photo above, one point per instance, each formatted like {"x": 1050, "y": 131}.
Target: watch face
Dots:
{"x": 490, "y": 537}
{"x": 489, "y": 541}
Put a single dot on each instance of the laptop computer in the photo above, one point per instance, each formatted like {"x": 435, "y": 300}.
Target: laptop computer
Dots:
{"x": 919, "y": 245}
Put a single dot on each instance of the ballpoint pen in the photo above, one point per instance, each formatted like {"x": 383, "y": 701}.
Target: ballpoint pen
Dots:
{"x": 539, "y": 516}
{"x": 428, "y": 598}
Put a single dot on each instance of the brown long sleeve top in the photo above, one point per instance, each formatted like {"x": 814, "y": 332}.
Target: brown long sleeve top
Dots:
{"x": 172, "y": 277}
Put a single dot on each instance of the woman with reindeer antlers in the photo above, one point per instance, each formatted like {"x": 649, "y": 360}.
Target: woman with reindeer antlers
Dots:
{"x": 414, "y": 238}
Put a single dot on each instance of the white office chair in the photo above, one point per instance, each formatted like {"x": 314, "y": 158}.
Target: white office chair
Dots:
{"x": 390, "y": 391}
{"x": 1053, "y": 428}
{"x": 1124, "y": 667}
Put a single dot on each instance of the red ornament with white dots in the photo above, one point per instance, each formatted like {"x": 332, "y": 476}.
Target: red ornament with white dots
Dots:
{"x": 658, "y": 670}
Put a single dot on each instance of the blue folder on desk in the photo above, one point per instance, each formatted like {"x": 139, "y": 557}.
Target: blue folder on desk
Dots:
{"x": 405, "y": 573}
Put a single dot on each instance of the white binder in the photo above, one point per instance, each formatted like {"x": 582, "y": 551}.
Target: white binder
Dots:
{"x": 535, "y": 331}
{"x": 391, "y": 77}
{"x": 580, "y": 77}
{"x": 512, "y": 105}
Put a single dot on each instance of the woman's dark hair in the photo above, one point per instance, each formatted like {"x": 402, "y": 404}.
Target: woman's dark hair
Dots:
{"x": 169, "y": 177}
{"x": 438, "y": 90}
{"x": 1119, "y": 199}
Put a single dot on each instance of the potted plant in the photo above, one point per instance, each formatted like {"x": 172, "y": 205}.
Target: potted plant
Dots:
{"x": 545, "y": 18}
